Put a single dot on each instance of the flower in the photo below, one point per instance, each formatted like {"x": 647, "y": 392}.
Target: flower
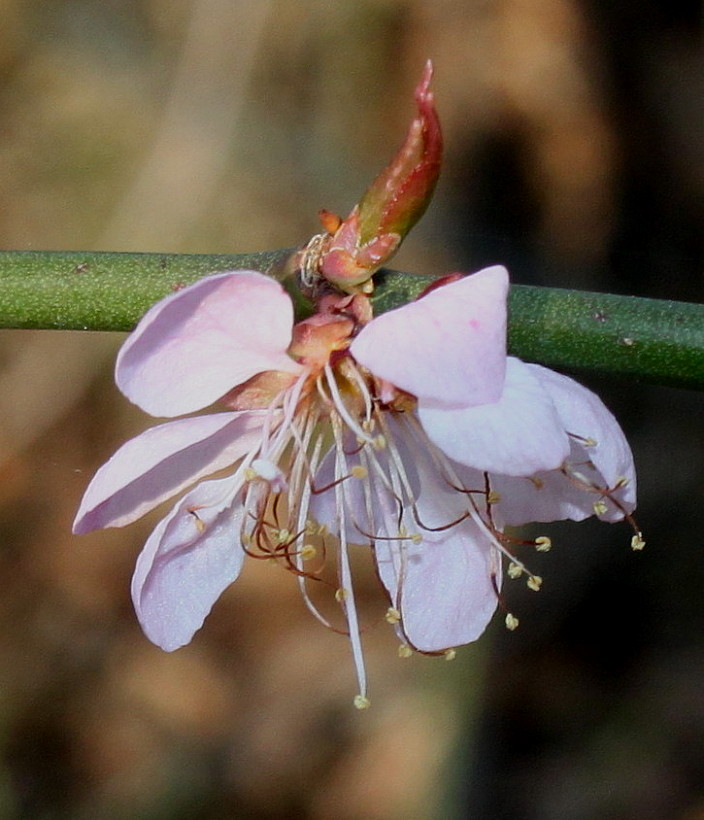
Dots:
{"x": 411, "y": 433}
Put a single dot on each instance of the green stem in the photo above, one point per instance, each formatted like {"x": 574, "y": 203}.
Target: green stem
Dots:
{"x": 647, "y": 339}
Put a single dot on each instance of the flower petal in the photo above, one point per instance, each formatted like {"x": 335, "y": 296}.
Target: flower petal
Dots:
{"x": 583, "y": 414}
{"x": 161, "y": 462}
{"x": 443, "y": 586}
{"x": 447, "y": 348}
{"x": 189, "y": 560}
{"x": 600, "y": 458}
{"x": 194, "y": 346}
{"x": 519, "y": 434}
{"x": 551, "y": 496}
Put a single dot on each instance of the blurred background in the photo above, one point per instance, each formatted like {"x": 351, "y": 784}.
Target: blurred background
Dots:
{"x": 575, "y": 155}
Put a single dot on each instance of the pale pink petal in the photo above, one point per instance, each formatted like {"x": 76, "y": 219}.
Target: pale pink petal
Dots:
{"x": 449, "y": 347}
{"x": 194, "y": 346}
{"x": 189, "y": 560}
{"x": 552, "y": 496}
{"x": 442, "y": 587}
{"x": 519, "y": 434}
{"x": 584, "y": 415}
{"x": 161, "y": 462}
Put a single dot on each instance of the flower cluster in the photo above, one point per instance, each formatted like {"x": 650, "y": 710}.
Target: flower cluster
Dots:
{"x": 411, "y": 435}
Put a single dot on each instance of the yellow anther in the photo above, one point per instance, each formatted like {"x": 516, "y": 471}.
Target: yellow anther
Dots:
{"x": 515, "y": 570}
{"x": 417, "y": 538}
{"x": 358, "y": 471}
{"x": 621, "y": 481}
{"x": 450, "y": 654}
{"x": 493, "y": 497}
{"x": 637, "y": 542}
{"x": 511, "y": 622}
{"x": 543, "y": 543}
{"x": 246, "y": 539}
{"x": 340, "y": 595}
{"x": 590, "y": 442}
{"x": 600, "y": 507}
{"x": 250, "y": 474}
{"x": 393, "y": 616}
{"x": 308, "y": 551}
{"x": 534, "y": 582}
{"x": 282, "y": 536}
{"x": 200, "y": 524}
{"x": 379, "y": 443}
{"x": 405, "y": 651}
{"x": 361, "y": 702}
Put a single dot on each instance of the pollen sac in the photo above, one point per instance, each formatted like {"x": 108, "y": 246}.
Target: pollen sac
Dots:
{"x": 511, "y": 622}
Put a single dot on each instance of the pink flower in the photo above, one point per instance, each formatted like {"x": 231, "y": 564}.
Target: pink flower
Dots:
{"x": 412, "y": 434}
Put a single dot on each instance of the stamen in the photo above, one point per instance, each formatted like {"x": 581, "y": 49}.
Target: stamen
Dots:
{"x": 600, "y": 507}
{"x": 637, "y": 542}
{"x": 307, "y": 552}
{"x": 585, "y": 442}
{"x": 393, "y": 616}
{"x": 511, "y": 621}
{"x": 534, "y": 582}
{"x": 200, "y": 524}
{"x": 514, "y": 570}
{"x": 543, "y": 543}
{"x": 405, "y": 651}
{"x": 450, "y": 654}
{"x": 341, "y": 408}
{"x": 361, "y": 702}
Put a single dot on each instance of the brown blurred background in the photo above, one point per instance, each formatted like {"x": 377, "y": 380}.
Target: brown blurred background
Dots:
{"x": 575, "y": 154}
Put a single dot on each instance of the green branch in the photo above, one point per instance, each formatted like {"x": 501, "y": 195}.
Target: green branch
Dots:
{"x": 646, "y": 339}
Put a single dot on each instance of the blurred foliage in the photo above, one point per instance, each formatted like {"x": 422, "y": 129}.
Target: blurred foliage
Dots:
{"x": 575, "y": 148}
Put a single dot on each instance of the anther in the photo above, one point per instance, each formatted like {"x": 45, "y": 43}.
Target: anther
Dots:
{"x": 534, "y": 582}
{"x": 600, "y": 507}
{"x": 450, "y": 654}
{"x": 200, "y": 524}
{"x": 308, "y": 551}
{"x": 493, "y": 497}
{"x": 358, "y": 471}
{"x": 393, "y": 616}
{"x": 543, "y": 543}
{"x": 379, "y": 443}
{"x": 621, "y": 481}
{"x": 282, "y": 536}
{"x": 511, "y": 622}
{"x": 637, "y": 542}
{"x": 361, "y": 702}
{"x": 405, "y": 651}
{"x": 514, "y": 570}
{"x": 340, "y": 595}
